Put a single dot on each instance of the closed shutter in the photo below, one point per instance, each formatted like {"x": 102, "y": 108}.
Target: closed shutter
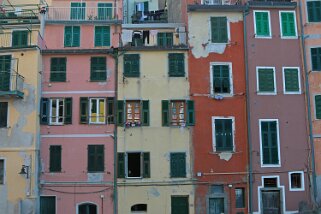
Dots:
{"x": 58, "y": 70}
{"x": 84, "y": 109}
{"x": 165, "y": 113}
{"x": 121, "y": 165}
{"x": 288, "y": 24}
{"x": 44, "y": 111}
{"x": 266, "y": 80}
{"x": 318, "y": 106}
{"x": 68, "y": 36}
{"x": 269, "y": 142}
{"x": 314, "y": 11}
{"x": 145, "y": 113}
{"x": 98, "y": 36}
{"x": 98, "y": 70}
{"x": 291, "y": 80}
{"x": 68, "y": 110}
{"x": 223, "y": 134}
{"x": 178, "y": 165}
{"x": 95, "y": 158}
{"x": 3, "y": 114}
{"x": 146, "y": 165}
{"x": 110, "y": 110}
{"x": 5, "y": 72}
{"x": 146, "y": 8}
{"x": 20, "y": 38}
{"x": 219, "y": 29}
{"x": 55, "y": 159}
{"x": 120, "y": 113}
{"x": 165, "y": 39}
{"x": 176, "y": 66}
{"x": 76, "y": 36}
{"x": 47, "y": 205}
{"x": 316, "y": 59}
{"x": 262, "y": 24}
{"x": 179, "y": 205}
{"x": 131, "y": 65}
{"x": 106, "y": 36}
{"x": 190, "y": 113}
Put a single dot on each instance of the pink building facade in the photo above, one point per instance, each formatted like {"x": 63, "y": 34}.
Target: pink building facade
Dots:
{"x": 77, "y": 107}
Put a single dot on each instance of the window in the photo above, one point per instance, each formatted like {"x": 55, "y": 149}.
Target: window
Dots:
{"x": 317, "y": 103}
{"x": 3, "y": 114}
{"x": 265, "y": 81}
{"x": 56, "y": 111}
{"x": 102, "y": 36}
{"x": 179, "y": 205}
{"x": 72, "y": 36}
{"x": 5, "y": 72}
{"x": 178, "y": 113}
{"x": 262, "y": 24}
{"x": 20, "y": 38}
{"x": 270, "y": 182}
{"x": 288, "y": 24}
{"x": 219, "y": 31}
{"x": 131, "y": 65}
{"x": 165, "y": 39}
{"x": 1, "y": 171}
{"x": 55, "y": 158}
{"x": 136, "y": 112}
{"x": 296, "y": 181}
{"x": 47, "y": 205}
{"x": 98, "y": 70}
{"x": 96, "y": 158}
{"x": 314, "y": 11}
{"x": 93, "y": 110}
{"x": 178, "y": 165}
{"x": 77, "y": 11}
{"x": 239, "y": 197}
{"x": 105, "y": 11}
{"x": 58, "y": 69}
{"x": 216, "y": 201}
{"x": 223, "y": 134}
{"x": 291, "y": 81}
{"x": 139, "y": 208}
{"x": 316, "y": 59}
{"x": 87, "y": 208}
{"x": 221, "y": 79}
{"x": 176, "y": 64}
{"x": 133, "y": 165}
{"x": 269, "y": 142}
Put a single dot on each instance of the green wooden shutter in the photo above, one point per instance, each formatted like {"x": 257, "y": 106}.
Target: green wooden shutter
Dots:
{"x": 20, "y": 38}
{"x": 84, "y": 109}
{"x": 266, "y": 80}
{"x": 3, "y": 114}
{"x": 262, "y": 24}
{"x": 98, "y": 36}
{"x": 165, "y": 113}
{"x": 291, "y": 80}
{"x": 314, "y": 11}
{"x": 68, "y": 110}
{"x": 228, "y": 130}
{"x": 58, "y": 70}
{"x": 47, "y": 205}
{"x": 91, "y": 158}
{"x": 219, "y": 30}
{"x": 106, "y": 36}
{"x": 176, "y": 65}
{"x": 219, "y": 141}
{"x": 316, "y": 59}
{"x": 146, "y": 8}
{"x": 110, "y": 110}
{"x": 55, "y": 159}
{"x": 100, "y": 158}
{"x": 105, "y": 11}
{"x": 120, "y": 113}
{"x": 269, "y": 142}
{"x": 190, "y": 113}
{"x": 121, "y": 165}
{"x": 77, "y": 11}
{"x": 180, "y": 205}
{"x": 68, "y": 36}
{"x": 178, "y": 165}
{"x": 146, "y": 165}
{"x": 288, "y": 24}
{"x": 317, "y": 100}
{"x": 44, "y": 111}
{"x": 96, "y": 158}
{"x": 131, "y": 65}
{"x": 145, "y": 113}
{"x": 98, "y": 71}
{"x": 5, "y": 72}
{"x": 76, "y": 36}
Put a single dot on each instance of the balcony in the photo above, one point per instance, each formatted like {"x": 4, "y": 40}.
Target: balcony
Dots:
{"x": 157, "y": 16}
{"x": 273, "y": 3}
{"x": 11, "y": 83}
{"x": 81, "y": 14}
{"x": 18, "y": 16}
{"x": 21, "y": 38}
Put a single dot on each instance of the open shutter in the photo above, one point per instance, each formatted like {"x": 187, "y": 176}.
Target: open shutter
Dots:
{"x": 120, "y": 113}
{"x": 68, "y": 110}
{"x": 91, "y": 158}
{"x": 84, "y": 109}
{"x": 145, "y": 113}
{"x": 106, "y": 36}
{"x": 44, "y": 111}
{"x": 68, "y": 36}
{"x": 190, "y": 113}
{"x": 100, "y": 158}
{"x": 110, "y": 110}
{"x": 165, "y": 113}
{"x": 121, "y": 165}
{"x": 15, "y": 39}
{"x": 146, "y": 165}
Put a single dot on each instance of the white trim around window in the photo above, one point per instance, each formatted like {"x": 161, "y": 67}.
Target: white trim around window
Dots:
{"x": 301, "y": 180}
{"x": 254, "y": 21}
{"x": 54, "y": 117}
{"x": 299, "y": 80}
{"x": 278, "y": 139}
{"x": 97, "y": 117}
{"x": 257, "y": 81}
{"x": 230, "y": 76}
{"x": 295, "y": 24}
{"x": 213, "y": 132}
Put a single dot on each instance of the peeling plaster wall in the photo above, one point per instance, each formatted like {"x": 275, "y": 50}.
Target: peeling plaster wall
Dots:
{"x": 200, "y": 34}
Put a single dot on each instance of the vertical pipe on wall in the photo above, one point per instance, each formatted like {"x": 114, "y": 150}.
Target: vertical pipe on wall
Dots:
{"x": 245, "y": 13}
{"x": 307, "y": 93}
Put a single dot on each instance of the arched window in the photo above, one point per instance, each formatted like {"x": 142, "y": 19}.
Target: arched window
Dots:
{"x": 87, "y": 208}
{"x": 139, "y": 208}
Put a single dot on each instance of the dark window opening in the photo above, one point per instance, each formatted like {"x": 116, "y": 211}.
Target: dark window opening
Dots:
{"x": 296, "y": 182}
{"x": 139, "y": 208}
{"x": 216, "y": 189}
{"x": 239, "y": 198}
{"x": 270, "y": 182}
{"x": 134, "y": 165}
{"x": 216, "y": 205}
{"x": 87, "y": 209}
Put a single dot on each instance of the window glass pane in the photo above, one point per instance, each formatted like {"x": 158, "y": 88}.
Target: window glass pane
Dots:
{"x": 216, "y": 205}
{"x": 296, "y": 182}
{"x": 239, "y": 198}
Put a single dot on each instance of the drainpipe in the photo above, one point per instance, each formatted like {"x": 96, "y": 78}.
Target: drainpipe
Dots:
{"x": 248, "y": 110}
{"x": 307, "y": 90}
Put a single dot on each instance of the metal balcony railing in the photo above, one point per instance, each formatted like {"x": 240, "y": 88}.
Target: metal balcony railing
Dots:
{"x": 157, "y": 16}
{"x": 81, "y": 14}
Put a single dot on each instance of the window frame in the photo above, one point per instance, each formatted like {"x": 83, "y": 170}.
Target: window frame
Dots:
{"x": 278, "y": 143}
{"x": 96, "y": 161}
{"x": 58, "y": 72}
{"x": 315, "y": 107}
{"x": 171, "y": 73}
{"x": 307, "y": 13}
{"x": 50, "y": 161}
{"x": 4, "y": 171}
{"x": 102, "y": 42}
{"x": 257, "y": 81}
{"x": 8, "y": 116}
{"x": 21, "y": 45}
{"x": 170, "y": 165}
{"x": 92, "y": 71}
{"x": 255, "y": 30}
{"x": 214, "y": 136}
{"x": 299, "y": 80}
{"x": 295, "y": 24}
{"x": 171, "y": 113}
{"x": 139, "y": 102}
{"x": 216, "y": 195}
{"x": 48, "y": 196}
{"x": 57, "y": 111}
{"x": 229, "y": 64}
{"x": 227, "y": 28}
{"x": 302, "y": 181}
{"x": 311, "y": 59}
{"x": 243, "y": 198}
{"x": 72, "y": 39}
{"x": 98, "y": 108}
{"x": 141, "y": 153}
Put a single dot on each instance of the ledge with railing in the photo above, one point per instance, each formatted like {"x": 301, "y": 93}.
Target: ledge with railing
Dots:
{"x": 11, "y": 84}
{"x": 21, "y": 38}
{"x": 20, "y": 16}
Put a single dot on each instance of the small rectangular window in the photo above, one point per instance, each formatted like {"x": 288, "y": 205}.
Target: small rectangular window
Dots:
{"x": 72, "y": 36}
{"x": 58, "y": 69}
{"x": 97, "y": 113}
{"x": 262, "y": 24}
{"x": 96, "y": 158}
{"x": 223, "y": 134}
{"x": 288, "y": 24}
{"x": 176, "y": 63}
{"x": 1, "y": 171}
{"x": 216, "y": 189}
{"x": 314, "y": 11}
{"x": 216, "y": 205}
{"x": 269, "y": 142}
{"x": 77, "y": 11}
{"x": 178, "y": 165}
{"x": 56, "y": 111}
{"x": 98, "y": 71}
{"x": 137, "y": 163}
{"x": 102, "y": 36}
{"x": 239, "y": 198}
{"x": 296, "y": 181}
{"x": 131, "y": 65}
{"x": 165, "y": 39}
{"x": 266, "y": 81}
{"x": 55, "y": 158}
{"x": 219, "y": 30}
{"x": 221, "y": 79}
{"x": 47, "y": 205}
{"x": 317, "y": 104}
{"x": 291, "y": 80}
{"x": 5, "y": 72}
{"x": 3, "y": 114}
{"x": 270, "y": 182}
{"x": 316, "y": 59}
{"x": 20, "y": 38}
{"x": 179, "y": 205}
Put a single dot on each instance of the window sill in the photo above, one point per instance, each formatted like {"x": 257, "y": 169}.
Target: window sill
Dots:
{"x": 292, "y": 93}
{"x": 297, "y": 190}
{"x": 105, "y": 80}
{"x": 262, "y": 37}
{"x": 289, "y": 37}
{"x": 102, "y": 123}
{"x": 270, "y": 165}
{"x": 266, "y": 93}
{"x": 220, "y": 152}
{"x": 95, "y": 172}
{"x": 56, "y": 124}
